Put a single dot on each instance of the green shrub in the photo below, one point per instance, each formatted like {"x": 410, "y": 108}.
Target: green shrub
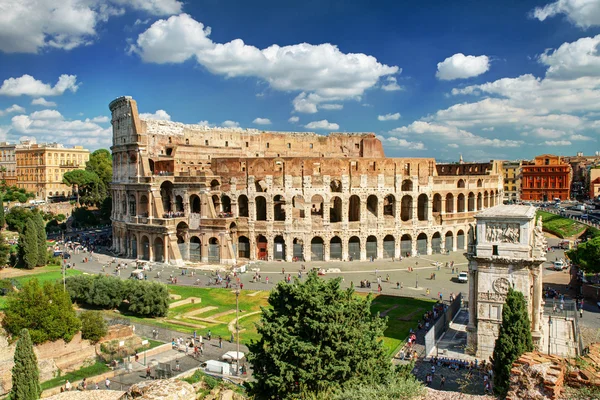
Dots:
{"x": 93, "y": 326}
{"x": 150, "y": 299}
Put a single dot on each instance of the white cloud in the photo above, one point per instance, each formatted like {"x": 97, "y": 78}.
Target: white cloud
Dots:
{"x": 28, "y": 85}
{"x": 15, "y": 108}
{"x": 331, "y": 106}
{"x": 488, "y": 129}
{"x": 321, "y": 70}
{"x": 158, "y": 115}
{"x": 294, "y": 119}
{"x": 582, "y": 13}
{"x": 230, "y": 124}
{"x": 460, "y": 66}
{"x": 548, "y": 133}
{"x": 581, "y": 137}
{"x": 42, "y": 102}
{"x": 453, "y": 146}
{"x": 391, "y": 85}
{"x": 451, "y": 133}
{"x": 262, "y": 121}
{"x": 557, "y": 143}
{"x": 574, "y": 60}
{"x": 206, "y": 123}
{"x": 51, "y": 126}
{"x": 100, "y": 119}
{"x": 28, "y": 26}
{"x": 401, "y": 143}
{"x": 389, "y": 117}
{"x": 323, "y": 124}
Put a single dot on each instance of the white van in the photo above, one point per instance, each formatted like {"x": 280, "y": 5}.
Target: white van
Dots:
{"x": 559, "y": 265}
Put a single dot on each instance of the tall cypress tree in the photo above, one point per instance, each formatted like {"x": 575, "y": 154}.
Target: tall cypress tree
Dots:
{"x": 28, "y": 245}
{"x": 513, "y": 340}
{"x": 25, "y": 373}
{"x": 2, "y": 217}
{"x": 41, "y": 239}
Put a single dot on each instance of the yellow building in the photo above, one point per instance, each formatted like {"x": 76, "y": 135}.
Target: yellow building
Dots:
{"x": 511, "y": 171}
{"x": 40, "y": 167}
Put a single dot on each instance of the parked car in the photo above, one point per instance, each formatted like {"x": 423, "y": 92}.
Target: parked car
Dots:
{"x": 559, "y": 265}
{"x": 463, "y": 277}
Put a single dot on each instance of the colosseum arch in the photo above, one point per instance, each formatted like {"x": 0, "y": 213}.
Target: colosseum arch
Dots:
{"x": 195, "y": 249}
{"x": 460, "y": 240}
{"x": 471, "y": 202}
{"x": 460, "y": 184}
{"x": 449, "y": 241}
{"x": 372, "y": 206}
{"x": 407, "y": 185}
{"x": 261, "y": 208}
{"x": 243, "y": 206}
{"x": 335, "y": 248}
{"x": 279, "y": 208}
{"x": 389, "y": 246}
{"x": 460, "y": 206}
{"x": 145, "y": 242}
{"x": 479, "y": 201}
{"x": 226, "y": 203}
{"x": 261, "y": 247}
{"x": 298, "y": 249}
{"x": 215, "y": 184}
{"x": 335, "y": 210}
{"x": 486, "y": 199}
{"x": 436, "y": 243}
{"x": 335, "y": 186}
{"x": 354, "y": 208}
{"x": 492, "y": 199}
{"x": 354, "y": 248}
{"x": 371, "y": 247}
{"x": 317, "y": 249}
{"x": 166, "y": 194}
{"x": 159, "y": 250}
{"x": 389, "y": 205}
{"x": 178, "y": 203}
{"x": 216, "y": 200}
{"x": 195, "y": 204}
{"x": 243, "y": 247}
{"x": 316, "y": 208}
{"x": 449, "y": 203}
{"x": 298, "y": 207}
{"x": 132, "y": 205}
{"x": 406, "y": 208}
{"x": 405, "y": 245}
{"x": 214, "y": 250}
{"x": 422, "y": 207}
{"x": 279, "y": 248}
{"x": 437, "y": 203}
{"x": 422, "y": 243}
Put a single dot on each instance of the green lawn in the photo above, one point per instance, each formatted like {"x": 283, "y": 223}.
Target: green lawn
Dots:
{"x": 561, "y": 226}
{"x": 85, "y": 372}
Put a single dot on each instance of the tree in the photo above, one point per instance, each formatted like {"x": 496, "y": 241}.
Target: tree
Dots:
{"x": 513, "y": 340}
{"x": 100, "y": 163}
{"x": 4, "y": 252}
{"x": 2, "y": 216}
{"x": 586, "y": 255}
{"x": 84, "y": 182}
{"x": 149, "y": 299}
{"x": 25, "y": 373}
{"x": 316, "y": 339}
{"x": 28, "y": 245}
{"x": 17, "y": 217}
{"x": 46, "y": 311}
{"x": 42, "y": 245}
{"x": 93, "y": 326}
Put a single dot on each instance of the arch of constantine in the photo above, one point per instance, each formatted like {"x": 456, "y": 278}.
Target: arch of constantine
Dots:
{"x": 217, "y": 195}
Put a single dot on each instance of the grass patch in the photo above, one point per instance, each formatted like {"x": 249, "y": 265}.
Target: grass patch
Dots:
{"x": 561, "y": 226}
{"x": 85, "y": 372}
{"x": 52, "y": 275}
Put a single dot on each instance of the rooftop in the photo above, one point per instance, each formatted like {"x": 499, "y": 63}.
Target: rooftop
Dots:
{"x": 508, "y": 212}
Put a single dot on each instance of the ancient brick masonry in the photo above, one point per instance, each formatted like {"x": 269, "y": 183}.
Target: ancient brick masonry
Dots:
{"x": 189, "y": 192}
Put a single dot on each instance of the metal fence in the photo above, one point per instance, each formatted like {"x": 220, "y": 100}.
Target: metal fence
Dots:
{"x": 441, "y": 325}
{"x": 560, "y": 313}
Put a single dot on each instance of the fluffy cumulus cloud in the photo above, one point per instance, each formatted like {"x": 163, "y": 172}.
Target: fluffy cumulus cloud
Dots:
{"x": 28, "y": 85}
{"x": 230, "y": 124}
{"x": 445, "y": 133}
{"x": 40, "y": 101}
{"x": 160, "y": 115}
{"x": 556, "y": 143}
{"x": 27, "y": 26}
{"x": 294, "y": 119}
{"x": 52, "y": 126}
{"x": 15, "y": 108}
{"x": 389, "y": 117}
{"x": 262, "y": 121}
{"x": 391, "y": 84}
{"x": 574, "y": 60}
{"x": 331, "y": 106}
{"x": 582, "y": 13}
{"x": 402, "y": 144}
{"x": 460, "y": 66}
{"x": 321, "y": 73}
{"x": 322, "y": 125}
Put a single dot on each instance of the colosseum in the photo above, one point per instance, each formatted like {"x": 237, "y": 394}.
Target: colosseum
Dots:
{"x": 191, "y": 193}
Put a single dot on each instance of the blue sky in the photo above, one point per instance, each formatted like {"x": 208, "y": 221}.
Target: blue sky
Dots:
{"x": 486, "y": 79}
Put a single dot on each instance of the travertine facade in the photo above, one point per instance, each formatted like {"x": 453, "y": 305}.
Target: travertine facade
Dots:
{"x": 189, "y": 192}
{"x": 508, "y": 250}
{"x": 8, "y": 164}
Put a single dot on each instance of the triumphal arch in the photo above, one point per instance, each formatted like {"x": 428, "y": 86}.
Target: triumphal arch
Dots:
{"x": 508, "y": 250}
{"x": 193, "y": 193}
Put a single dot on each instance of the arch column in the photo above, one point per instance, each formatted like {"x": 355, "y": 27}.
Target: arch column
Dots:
{"x": 345, "y": 208}
{"x": 344, "y": 248}
{"x": 326, "y": 249}
{"x": 186, "y": 248}
{"x": 269, "y": 215}
{"x": 397, "y": 251}
{"x": 363, "y": 248}
{"x": 306, "y": 250}
{"x": 397, "y": 211}
{"x": 326, "y": 213}
{"x": 415, "y": 209}
{"x": 140, "y": 250}
{"x": 204, "y": 249}
{"x": 289, "y": 242}
{"x": 252, "y": 245}
{"x": 166, "y": 242}
{"x": 430, "y": 210}
{"x": 429, "y": 246}
{"x": 379, "y": 247}
{"x": 413, "y": 244}
{"x": 443, "y": 210}
{"x": 288, "y": 212}
{"x": 151, "y": 248}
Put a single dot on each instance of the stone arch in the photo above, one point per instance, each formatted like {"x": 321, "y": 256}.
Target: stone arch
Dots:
{"x": 166, "y": 194}
{"x": 298, "y": 207}
{"x": 460, "y": 239}
{"x": 449, "y": 203}
{"x": 215, "y": 184}
{"x": 406, "y": 245}
{"x": 226, "y": 203}
{"x": 159, "y": 250}
{"x": 243, "y": 206}
{"x": 389, "y": 205}
{"x": 279, "y": 248}
{"x": 335, "y": 248}
{"x": 389, "y": 246}
{"x": 261, "y": 247}
{"x": 354, "y": 248}
{"x": 335, "y": 186}
{"x": 279, "y": 208}
{"x": 134, "y": 244}
{"x": 261, "y": 208}
{"x": 316, "y": 208}
{"x": 479, "y": 201}
{"x": 479, "y": 183}
{"x": 449, "y": 241}
{"x": 371, "y": 247}
{"x": 195, "y": 204}
{"x": 422, "y": 207}
{"x": 372, "y": 206}
{"x": 298, "y": 249}
{"x": 406, "y": 208}
{"x": 132, "y": 205}
{"x": 492, "y": 199}
{"x": 354, "y": 208}
{"x": 460, "y": 206}
{"x": 178, "y": 203}
{"x": 422, "y": 243}
{"x": 335, "y": 209}
{"x": 471, "y": 202}
{"x": 460, "y": 184}
{"x": 145, "y": 243}
{"x": 243, "y": 247}
{"x": 195, "y": 249}
{"x": 486, "y": 199}
{"x": 436, "y": 243}
{"x": 317, "y": 249}
{"x": 214, "y": 250}
{"x": 216, "y": 200}
{"x": 260, "y": 186}
{"x": 407, "y": 185}
{"x": 437, "y": 203}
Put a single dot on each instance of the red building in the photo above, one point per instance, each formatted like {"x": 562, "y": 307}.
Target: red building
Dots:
{"x": 548, "y": 177}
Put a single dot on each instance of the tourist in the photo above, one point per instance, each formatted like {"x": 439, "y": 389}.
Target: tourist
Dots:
{"x": 220, "y": 342}
{"x": 96, "y": 386}
{"x": 177, "y": 366}
{"x": 208, "y": 335}
{"x": 231, "y": 341}
{"x": 442, "y": 381}
{"x": 68, "y": 386}
{"x": 148, "y": 376}
{"x": 107, "y": 383}
{"x": 397, "y": 285}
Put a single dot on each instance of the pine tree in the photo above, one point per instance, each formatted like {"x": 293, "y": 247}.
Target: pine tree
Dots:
{"x": 513, "y": 340}
{"x": 2, "y": 217}
{"x": 25, "y": 373}
{"x": 28, "y": 245}
{"x": 41, "y": 239}
{"x": 316, "y": 338}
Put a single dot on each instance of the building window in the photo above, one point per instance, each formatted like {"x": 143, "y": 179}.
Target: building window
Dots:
{"x": 310, "y": 145}
{"x": 226, "y": 144}
{"x": 206, "y": 142}
{"x": 356, "y": 146}
{"x": 289, "y": 145}
{"x": 495, "y": 250}
{"x": 267, "y": 145}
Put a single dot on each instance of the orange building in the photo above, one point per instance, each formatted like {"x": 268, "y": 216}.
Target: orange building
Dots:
{"x": 548, "y": 177}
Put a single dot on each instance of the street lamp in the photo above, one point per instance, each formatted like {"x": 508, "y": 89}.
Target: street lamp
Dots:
{"x": 549, "y": 331}
{"x": 417, "y": 282}
{"x": 237, "y": 328}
